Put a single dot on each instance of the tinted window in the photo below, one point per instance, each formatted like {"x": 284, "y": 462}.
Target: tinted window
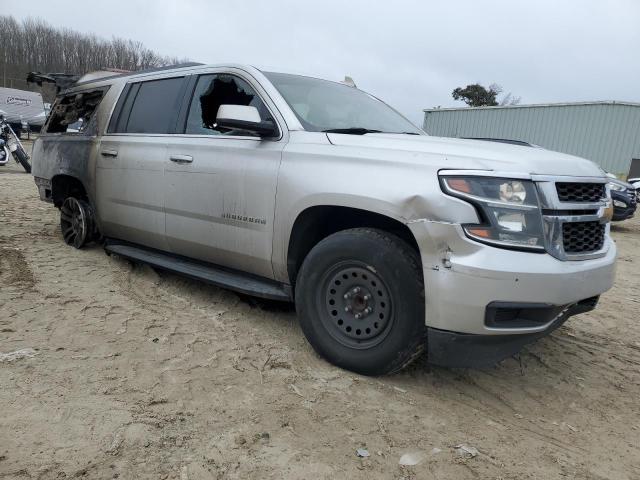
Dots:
{"x": 221, "y": 89}
{"x": 155, "y": 107}
{"x": 118, "y": 122}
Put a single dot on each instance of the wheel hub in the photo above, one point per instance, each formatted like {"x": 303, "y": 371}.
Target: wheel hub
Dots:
{"x": 358, "y": 305}
{"x": 358, "y": 301}
{"x": 73, "y": 222}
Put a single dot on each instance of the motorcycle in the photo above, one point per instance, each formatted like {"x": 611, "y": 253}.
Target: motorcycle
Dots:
{"x": 10, "y": 145}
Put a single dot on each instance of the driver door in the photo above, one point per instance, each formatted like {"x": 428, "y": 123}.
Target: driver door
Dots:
{"x": 220, "y": 185}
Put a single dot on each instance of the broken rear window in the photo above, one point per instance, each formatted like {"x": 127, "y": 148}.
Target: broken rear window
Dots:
{"x": 73, "y": 113}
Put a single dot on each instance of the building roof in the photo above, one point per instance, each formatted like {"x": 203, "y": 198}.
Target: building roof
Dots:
{"x": 533, "y": 105}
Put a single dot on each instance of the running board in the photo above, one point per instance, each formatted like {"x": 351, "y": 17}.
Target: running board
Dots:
{"x": 212, "y": 274}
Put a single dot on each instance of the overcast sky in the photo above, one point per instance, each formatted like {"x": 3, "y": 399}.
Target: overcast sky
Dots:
{"x": 412, "y": 54}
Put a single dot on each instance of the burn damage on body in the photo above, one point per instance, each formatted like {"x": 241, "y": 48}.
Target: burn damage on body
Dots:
{"x": 66, "y": 159}
{"x": 61, "y": 81}
{"x": 68, "y": 144}
{"x": 75, "y": 110}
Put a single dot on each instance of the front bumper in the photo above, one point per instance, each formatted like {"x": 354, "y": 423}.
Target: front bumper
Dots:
{"x": 464, "y": 350}
{"x": 463, "y": 278}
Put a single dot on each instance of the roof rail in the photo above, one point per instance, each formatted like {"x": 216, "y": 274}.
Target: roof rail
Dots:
{"x": 64, "y": 81}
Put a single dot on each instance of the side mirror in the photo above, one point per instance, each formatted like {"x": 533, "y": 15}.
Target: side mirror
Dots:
{"x": 245, "y": 118}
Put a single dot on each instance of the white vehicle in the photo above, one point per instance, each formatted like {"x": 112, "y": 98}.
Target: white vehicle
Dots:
{"x": 22, "y": 107}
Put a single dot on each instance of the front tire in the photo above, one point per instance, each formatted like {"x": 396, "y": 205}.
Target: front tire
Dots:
{"x": 76, "y": 222}
{"x": 360, "y": 301}
{"x": 23, "y": 159}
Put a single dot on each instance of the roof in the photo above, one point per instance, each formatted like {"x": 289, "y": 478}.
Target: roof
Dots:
{"x": 104, "y": 79}
{"x": 67, "y": 82}
{"x": 135, "y": 72}
{"x": 534, "y": 105}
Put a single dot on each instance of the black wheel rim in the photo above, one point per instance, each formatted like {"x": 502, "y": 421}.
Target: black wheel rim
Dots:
{"x": 73, "y": 222}
{"x": 355, "y": 305}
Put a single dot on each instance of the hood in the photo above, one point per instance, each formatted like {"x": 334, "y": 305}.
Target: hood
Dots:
{"x": 454, "y": 153}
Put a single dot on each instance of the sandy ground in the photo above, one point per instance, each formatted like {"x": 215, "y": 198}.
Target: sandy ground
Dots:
{"x": 137, "y": 374}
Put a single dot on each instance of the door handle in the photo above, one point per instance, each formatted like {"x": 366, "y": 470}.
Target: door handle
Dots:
{"x": 181, "y": 158}
{"x": 109, "y": 153}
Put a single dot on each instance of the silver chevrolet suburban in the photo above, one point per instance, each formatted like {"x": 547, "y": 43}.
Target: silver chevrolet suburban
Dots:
{"x": 391, "y": 242}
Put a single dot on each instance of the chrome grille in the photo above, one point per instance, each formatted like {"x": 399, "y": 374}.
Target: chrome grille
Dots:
{"x": 580, "y": 192}
{"x": 583, "y": 237}
{"x": 575, "y": 216}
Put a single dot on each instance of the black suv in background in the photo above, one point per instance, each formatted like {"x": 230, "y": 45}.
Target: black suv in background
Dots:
{"x": 624, "y": 199}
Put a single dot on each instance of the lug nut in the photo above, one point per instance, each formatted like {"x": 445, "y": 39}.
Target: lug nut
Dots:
{"x": 347, "y": 309}
{"x": 358, "y": 316}
{"x": 356, "y": 290}
{"x": 346, "y": 295}
{"x": 367, "y": 297}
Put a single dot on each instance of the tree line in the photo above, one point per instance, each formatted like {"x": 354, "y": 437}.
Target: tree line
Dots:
{"x": 35, "y": 45}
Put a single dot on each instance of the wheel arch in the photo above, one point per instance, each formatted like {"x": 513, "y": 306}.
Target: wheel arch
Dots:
{"x": 63, "y": 186}
{"x": 317, "y": 222}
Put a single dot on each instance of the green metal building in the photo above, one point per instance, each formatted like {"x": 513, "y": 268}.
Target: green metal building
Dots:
{"x": 606, "y": 132}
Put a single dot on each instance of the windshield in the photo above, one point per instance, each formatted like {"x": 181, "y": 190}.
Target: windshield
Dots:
{"x": 323, "y": 106}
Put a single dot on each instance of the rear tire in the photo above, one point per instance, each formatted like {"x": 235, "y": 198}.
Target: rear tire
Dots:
{"x": 360, "y": 301}
{"x": 76, "y": 222}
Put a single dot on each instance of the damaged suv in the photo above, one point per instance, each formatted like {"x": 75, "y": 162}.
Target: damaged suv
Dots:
{"x": 391, "y": 242}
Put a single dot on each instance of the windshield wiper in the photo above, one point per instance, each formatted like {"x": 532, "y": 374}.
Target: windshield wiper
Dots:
{"x": 363, "y": 131}
{"x": 351, "y": 131}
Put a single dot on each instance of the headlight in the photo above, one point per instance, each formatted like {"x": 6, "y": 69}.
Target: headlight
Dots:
{"x": 616, "y": 186}
{"x": 508, "y": 209}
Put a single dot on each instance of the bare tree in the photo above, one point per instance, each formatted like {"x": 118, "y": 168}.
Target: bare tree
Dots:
{"x": 35, "y": 45}
{"x": 509, "y": 99}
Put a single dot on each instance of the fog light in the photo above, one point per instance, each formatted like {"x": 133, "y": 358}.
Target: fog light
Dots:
{"x": 620, "y": 204}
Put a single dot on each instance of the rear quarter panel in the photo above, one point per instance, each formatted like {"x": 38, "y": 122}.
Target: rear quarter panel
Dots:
{"x": 75, "y": 154}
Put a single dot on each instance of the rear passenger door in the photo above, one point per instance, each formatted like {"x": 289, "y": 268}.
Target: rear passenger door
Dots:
{"x": 132, "y": 156}
{"x": 220, "y": 185}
